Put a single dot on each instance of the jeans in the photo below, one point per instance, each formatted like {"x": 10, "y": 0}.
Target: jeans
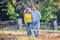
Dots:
{"x": 35, "y": 26}
{"x": 28, "y": 28}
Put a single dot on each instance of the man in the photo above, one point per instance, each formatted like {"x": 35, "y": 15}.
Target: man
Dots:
{"x": 36, "y": 16}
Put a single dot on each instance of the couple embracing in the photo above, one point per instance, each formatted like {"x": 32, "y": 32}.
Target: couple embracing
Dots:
{"x": 32, "y": 19}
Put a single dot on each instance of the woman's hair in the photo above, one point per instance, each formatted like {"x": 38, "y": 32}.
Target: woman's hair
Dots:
{"x": 27, "y": 9}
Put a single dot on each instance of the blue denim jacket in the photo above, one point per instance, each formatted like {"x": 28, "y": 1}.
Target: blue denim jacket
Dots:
{"x": 36, "y": 16}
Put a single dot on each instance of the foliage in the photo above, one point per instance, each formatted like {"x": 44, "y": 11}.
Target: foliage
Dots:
{"x": 47, "y": 9}
{"x": 10, "y": 11}
{"x": 14, "y": 2}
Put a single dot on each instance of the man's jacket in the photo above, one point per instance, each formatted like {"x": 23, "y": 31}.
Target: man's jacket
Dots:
{"x": 36, "y": 16}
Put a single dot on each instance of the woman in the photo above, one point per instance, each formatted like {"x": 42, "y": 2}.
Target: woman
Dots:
{"x": 28, "y": 20}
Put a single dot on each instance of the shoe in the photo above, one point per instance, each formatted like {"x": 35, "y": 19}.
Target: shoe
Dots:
{"x": 32, "y": 37}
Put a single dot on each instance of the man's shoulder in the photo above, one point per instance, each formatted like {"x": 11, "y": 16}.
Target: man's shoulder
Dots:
{"x": 37, "y": 11}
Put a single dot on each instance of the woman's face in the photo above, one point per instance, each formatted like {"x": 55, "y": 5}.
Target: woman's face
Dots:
{"x": 27, "y": 11}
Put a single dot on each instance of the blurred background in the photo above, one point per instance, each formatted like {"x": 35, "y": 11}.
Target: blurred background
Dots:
{"x": 12, "y": 11}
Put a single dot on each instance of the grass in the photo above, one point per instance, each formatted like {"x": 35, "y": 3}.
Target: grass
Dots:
{"x": 50, "y": 31}
{"x": 18, "y": 32}
{"x": 54, "y": 31}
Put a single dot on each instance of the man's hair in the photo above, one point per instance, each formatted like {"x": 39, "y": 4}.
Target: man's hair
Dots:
{"x": 33, "y": 7}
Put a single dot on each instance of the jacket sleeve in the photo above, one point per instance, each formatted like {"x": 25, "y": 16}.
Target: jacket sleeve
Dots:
{"x": 40, "y": 16}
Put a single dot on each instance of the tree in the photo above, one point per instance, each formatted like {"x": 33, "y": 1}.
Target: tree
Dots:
{"x": 11, "y": 11}
{"x": 47, "y": 10}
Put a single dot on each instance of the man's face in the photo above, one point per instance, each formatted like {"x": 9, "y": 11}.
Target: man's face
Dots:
{"x": 33, "y": 9}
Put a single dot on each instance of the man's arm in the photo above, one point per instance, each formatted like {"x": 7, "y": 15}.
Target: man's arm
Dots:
{"x": 40, "y": 16}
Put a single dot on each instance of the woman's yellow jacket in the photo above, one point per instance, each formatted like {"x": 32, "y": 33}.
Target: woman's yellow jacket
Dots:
{"x": 27, "y": 17}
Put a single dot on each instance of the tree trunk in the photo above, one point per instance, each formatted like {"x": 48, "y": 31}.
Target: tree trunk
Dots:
{"x": 55, "y": 24}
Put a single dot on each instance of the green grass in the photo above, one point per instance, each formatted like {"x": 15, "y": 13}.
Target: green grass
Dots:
{"x": 54, "y": 31}
{"x": 49, "y": 30}
{"x": 24, "y": 30}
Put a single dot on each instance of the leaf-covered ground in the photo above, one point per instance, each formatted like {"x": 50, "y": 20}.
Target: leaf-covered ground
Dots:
{"x": 9, "y": 35}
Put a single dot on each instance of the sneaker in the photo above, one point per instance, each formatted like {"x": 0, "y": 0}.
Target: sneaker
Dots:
{"x": 32, "y": 37}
